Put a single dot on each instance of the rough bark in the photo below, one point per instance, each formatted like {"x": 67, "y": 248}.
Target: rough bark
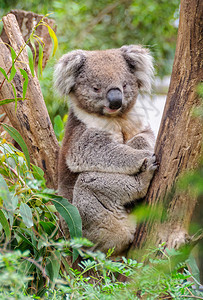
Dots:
{"x": 31, "y": 118}
{"x": 179, "y": 141}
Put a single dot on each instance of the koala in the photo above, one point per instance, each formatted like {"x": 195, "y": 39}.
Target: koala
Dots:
{"x": 106, "y": 161}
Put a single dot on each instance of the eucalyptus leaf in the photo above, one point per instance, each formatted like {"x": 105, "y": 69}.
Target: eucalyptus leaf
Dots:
{"x": 13, "y": 69}
{"x": 69, "y": 212}
{"x": 40, "y": 60}
{"x": 18, "y": 138}
{"x": 58, "y": 126}
{"x": 5, "y": 225}
{"x": 38, "y": 172}
{"x": 6, "y": 101}
{"x": 53, "y": 266}
{"x": 25, "y": 239}
{"x": 4, "y": 73}
{"x": 9, "y": 200}
{"x": 48, "y": 227}
{"x": 54, "y": 39}
{"x": 26, "y": 214}
{"x": 12, "y": 74}
{"x": 72, "y": 217}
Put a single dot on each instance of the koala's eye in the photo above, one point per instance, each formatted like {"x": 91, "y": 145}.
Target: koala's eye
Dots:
{"x": 96, "y": 89}
{"x": 124, "y": 85}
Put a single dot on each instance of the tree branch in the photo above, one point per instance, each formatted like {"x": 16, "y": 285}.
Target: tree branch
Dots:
{"x": 31, "y": 118}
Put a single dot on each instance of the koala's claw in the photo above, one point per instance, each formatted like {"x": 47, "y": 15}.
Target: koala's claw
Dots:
{"x": 153, "y": 167}
{"x": 149, "y": 164}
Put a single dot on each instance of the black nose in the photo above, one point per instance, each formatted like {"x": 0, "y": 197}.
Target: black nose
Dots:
{"x": 114, "y": 96}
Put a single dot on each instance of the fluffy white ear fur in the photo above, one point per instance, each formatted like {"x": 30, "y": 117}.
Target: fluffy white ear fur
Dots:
{"x": 66, "y": 70}
{"x": 141, "y": 63}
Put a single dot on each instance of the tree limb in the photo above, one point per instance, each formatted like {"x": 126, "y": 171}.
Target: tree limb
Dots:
{"x": 31, "y": 118}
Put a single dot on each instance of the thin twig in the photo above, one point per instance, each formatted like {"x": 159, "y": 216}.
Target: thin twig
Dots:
{"x": 15, "y": 173}
{"x": 21, "y": 49}
{"x": 191, "y": 296}
{"x": 37, "y": 265}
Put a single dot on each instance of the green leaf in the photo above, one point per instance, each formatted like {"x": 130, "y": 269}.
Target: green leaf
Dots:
{"x": 58, "y": 125}
{"x": 13, "y": 69}
{"x": 25, "y": 239}
{"x": 13, "y": 54}
{"x": 70, "y": 214}
{"x": 25, "y": 83}
{"x": 3, "y": 184}
{"x": 54, "y": 39}
{"x": 31, "y": 60}
{"x": 4, "y": 73}
{"x": 5, "y": 225}
{"x": 6, "y": 101}
{"x": 53, "y": 266}
{"x": 18, "y": 138}
{"x": 10, "y": 201}
{"x": 72, "y": 217}
{"x": 40, "y": 59}
{"x": 10, "y": 204}
{"x": 13, "y": 72}
{"x": 48, "y": 227}
{"x": 38, "y": 173}
{"x": 26, "y": 214}
{"x": 194, "y": 268}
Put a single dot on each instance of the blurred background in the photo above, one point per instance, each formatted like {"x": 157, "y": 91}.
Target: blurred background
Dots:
{"x": 106, "y": 24}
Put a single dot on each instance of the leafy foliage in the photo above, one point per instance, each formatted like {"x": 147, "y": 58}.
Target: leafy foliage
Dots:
{"x": 28, "y": 221}
{"x": 33, "y": 259}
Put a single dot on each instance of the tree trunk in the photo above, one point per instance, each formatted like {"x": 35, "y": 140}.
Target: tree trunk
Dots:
{"x": 178, "y": 146}
{"x": 26, "y": 21}
{"x": 31, "y": 118}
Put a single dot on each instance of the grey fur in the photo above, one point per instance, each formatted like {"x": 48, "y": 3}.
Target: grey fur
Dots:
{"x": 106, "y": 160}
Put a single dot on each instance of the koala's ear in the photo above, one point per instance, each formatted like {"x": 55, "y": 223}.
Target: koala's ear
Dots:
{"x": 66, "y": 70}
{"x": 140, "y": 63}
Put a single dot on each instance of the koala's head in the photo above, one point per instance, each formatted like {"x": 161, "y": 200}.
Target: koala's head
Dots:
{"x": 105, "y": 82}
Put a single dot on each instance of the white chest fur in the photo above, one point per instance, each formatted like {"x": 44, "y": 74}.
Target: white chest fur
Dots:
{"x": 122, "y": 129}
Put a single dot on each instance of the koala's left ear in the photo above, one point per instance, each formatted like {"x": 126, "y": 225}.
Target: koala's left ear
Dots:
{"x": 140, "y": 63}
{"x": 67, "y": 69}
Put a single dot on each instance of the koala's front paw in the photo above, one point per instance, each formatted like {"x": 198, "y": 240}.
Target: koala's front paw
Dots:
{"x": 149, "y": 164}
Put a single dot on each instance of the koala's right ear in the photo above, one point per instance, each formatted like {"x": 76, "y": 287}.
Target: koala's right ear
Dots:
{"x": 66, "y": 70}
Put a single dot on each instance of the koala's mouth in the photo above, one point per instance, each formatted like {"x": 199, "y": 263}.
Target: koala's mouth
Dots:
{"x": 110, "y": 111}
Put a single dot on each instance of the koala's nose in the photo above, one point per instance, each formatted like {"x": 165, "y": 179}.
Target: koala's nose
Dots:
{"x": 114, "y": 96}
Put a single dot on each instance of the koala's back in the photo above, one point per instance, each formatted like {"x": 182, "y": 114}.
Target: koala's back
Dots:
{"x": 66, "y": 178}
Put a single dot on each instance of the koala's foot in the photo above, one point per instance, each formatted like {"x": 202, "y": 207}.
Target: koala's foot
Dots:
{"x": 116, "y": 233}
